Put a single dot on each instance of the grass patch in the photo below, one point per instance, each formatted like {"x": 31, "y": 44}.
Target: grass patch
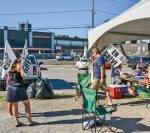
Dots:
{"x": 2, "y": 98}
{"x": 62, "y": 96}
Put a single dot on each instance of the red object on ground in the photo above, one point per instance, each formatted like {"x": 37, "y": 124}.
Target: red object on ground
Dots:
{"x": 115, "y": 91}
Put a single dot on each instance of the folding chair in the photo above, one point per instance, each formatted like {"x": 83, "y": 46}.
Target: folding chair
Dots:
{"x": 99, "y": 114}
{"x": 80, "y": 83}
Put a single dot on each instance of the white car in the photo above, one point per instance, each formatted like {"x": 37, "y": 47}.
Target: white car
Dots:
{"x": 82, "y": 63}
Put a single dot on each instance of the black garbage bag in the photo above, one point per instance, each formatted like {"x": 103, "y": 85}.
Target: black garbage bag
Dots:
{"x": 31, "y": 90}
{"x": 44, "y": 89}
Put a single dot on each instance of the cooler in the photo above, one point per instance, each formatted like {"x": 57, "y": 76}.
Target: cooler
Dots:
{"x": 115, "y": 91}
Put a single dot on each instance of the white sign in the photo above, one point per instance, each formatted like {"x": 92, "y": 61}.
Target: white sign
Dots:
{"x": 113, "y": 55}
{"x": 9, "y": 58}
{"x": 25, "y": 60}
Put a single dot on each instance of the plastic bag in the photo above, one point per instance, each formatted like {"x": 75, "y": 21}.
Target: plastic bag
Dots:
{"x": 44, "y": 89}
{"x": 31, "y": 90}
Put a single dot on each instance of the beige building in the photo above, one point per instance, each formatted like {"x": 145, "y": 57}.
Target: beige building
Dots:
{"x": 137, "y": 49}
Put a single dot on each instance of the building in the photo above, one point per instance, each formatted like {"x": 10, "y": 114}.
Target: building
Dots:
{"x": 40, "y": 42}
{"x": 66, "y": 44}
{"x": 137, "y": 49}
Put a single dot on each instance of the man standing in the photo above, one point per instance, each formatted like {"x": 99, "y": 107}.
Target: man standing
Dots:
{"x": 99, "y": 76}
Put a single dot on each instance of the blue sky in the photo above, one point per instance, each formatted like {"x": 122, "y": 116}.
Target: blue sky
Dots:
{"x": 59, "y": 20}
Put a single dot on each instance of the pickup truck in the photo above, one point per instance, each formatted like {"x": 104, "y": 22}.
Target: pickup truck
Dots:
{"x": 33, "y": 74}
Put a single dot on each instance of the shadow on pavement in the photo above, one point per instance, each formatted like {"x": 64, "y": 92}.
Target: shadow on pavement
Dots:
{"x": 129, "y": 125}
{"x": 59, "y": 96}
{"x": 137, "y": 103}
{"x": 71, "y": 121}
{"x": 43, "y": 68}
{"x": 61, "y": 84}
{"x": 56, "y": 113}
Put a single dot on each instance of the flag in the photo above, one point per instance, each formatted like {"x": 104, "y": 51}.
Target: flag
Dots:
{"x": 25, "y": 60}
{"x": 85, "y": 51}
{"x": 9, "y": 58}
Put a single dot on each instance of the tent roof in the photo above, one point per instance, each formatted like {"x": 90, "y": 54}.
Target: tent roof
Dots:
{"x": 133, "y": 24}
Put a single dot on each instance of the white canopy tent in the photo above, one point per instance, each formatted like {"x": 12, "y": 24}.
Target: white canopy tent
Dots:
{"x": 133, "y": 24}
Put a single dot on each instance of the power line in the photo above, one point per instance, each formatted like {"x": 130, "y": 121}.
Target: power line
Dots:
{"x": 106, "y": 12}
{"x": 66, "y": 25}
{"x": 120, "y": 2}
{"x": 48, "y": 12}
{"x": 133, "y": 2}
{"x": 59, "y": 27}
{"x": 54, "y": 12}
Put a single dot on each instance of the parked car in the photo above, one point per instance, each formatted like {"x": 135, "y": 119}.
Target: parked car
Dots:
{"x": 64, "y": 56}
{"x": 82, "y": 63}
{"x": 33, "y": 74}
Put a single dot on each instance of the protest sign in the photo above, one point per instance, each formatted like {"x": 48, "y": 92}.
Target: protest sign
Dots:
{"x": 113, "y": 55}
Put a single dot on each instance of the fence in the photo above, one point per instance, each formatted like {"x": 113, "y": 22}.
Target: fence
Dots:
{"x": 38, "y": 55}
{"x": 44, "y": 55}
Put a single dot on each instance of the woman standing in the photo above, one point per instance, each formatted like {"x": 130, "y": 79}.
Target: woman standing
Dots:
{"x": 16, "y": 92}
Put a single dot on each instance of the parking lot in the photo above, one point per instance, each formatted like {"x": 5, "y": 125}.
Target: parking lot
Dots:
{"x": 63, "y": 114}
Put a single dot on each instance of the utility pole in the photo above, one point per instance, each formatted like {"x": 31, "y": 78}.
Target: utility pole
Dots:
{"x": 93, "y": 13}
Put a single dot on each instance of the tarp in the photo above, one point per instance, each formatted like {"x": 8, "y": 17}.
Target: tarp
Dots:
{"x": 133, "y": 24}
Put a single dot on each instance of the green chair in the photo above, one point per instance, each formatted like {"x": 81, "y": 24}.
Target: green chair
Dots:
{"x": 92, "y": 110}
{"x": 96, "y": 113}
{"x": 81, "y": 82}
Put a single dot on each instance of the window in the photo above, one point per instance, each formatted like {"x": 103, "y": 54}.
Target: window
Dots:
{"x": 81, "y": 43}
{"x": 32, "y": 60}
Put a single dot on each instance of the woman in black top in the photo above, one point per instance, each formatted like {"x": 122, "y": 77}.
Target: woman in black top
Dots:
{"x": 16, "y": 92}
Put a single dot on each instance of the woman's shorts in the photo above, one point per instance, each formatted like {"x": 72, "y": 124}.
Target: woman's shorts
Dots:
{"x": 16, "y": 93}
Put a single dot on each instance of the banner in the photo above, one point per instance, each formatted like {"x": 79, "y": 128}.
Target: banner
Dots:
{"x": 113, "y": 55}
{"x": 9, "y": 58}
{"x": 25, "y": 60}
